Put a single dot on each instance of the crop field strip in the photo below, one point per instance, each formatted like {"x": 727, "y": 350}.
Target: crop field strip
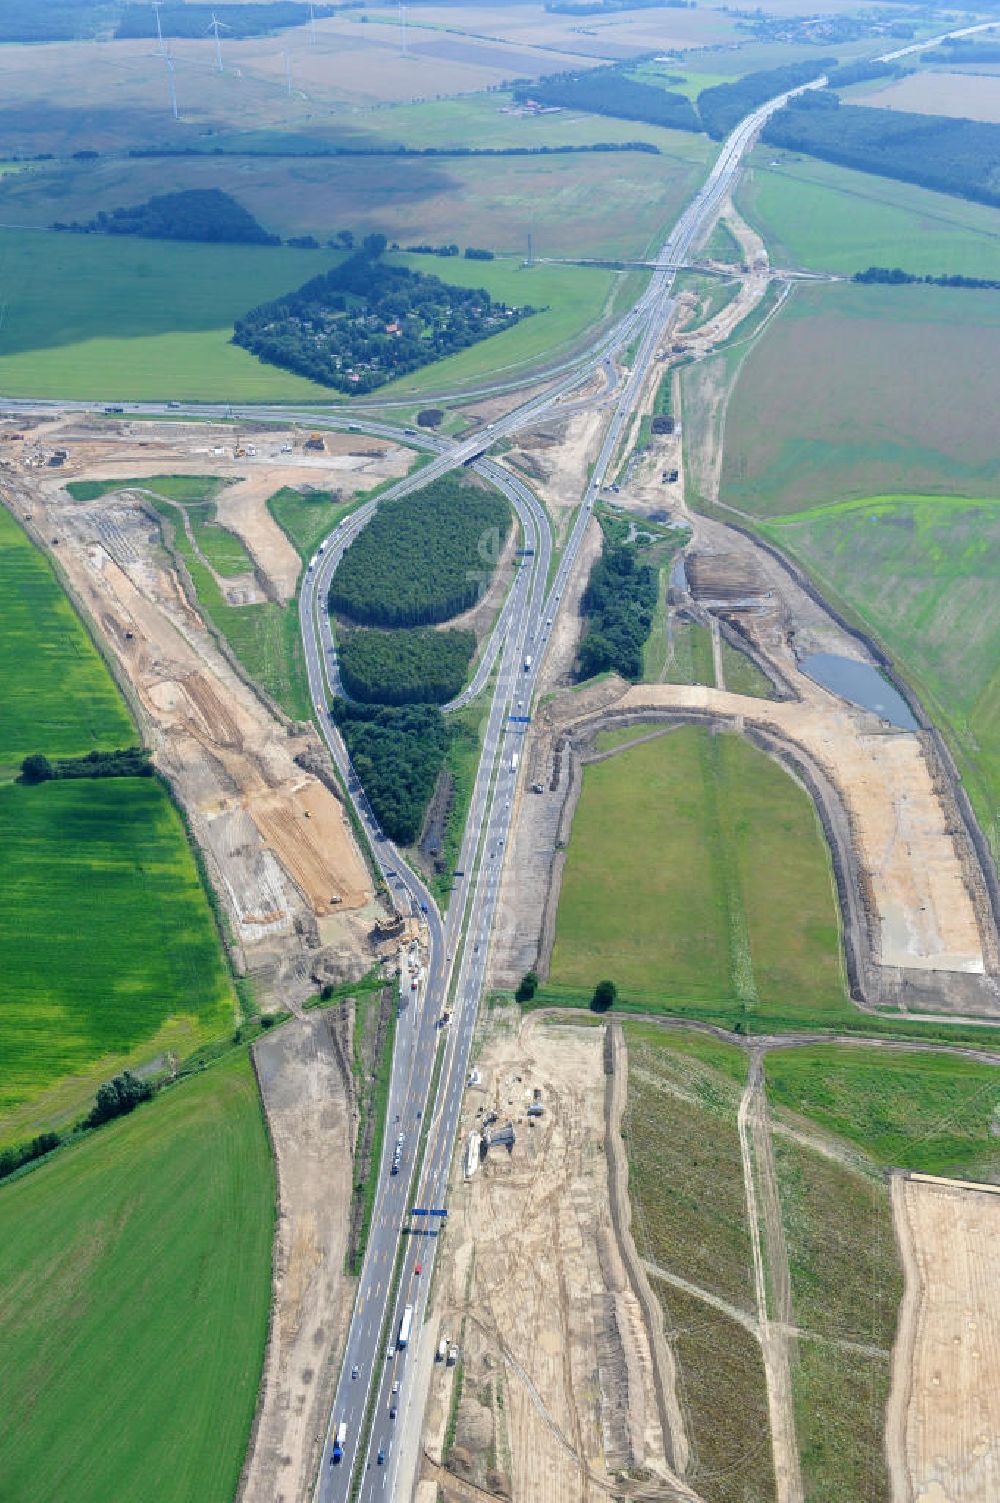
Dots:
{"x": 109, "y": 949}
{"x": 871, "y": 391}
{"x": 134, "y": 1296}
{"x": 56, "y": 693}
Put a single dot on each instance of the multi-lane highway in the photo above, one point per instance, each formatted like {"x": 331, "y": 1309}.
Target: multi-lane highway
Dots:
{"x": 375, "y": 1379}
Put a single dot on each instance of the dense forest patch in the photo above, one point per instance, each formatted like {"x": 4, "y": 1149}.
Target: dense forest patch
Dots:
{"x": 397, "y": 753}
{"x": 204, "y": 214}
{"x": 415, "y": 666}
{"x": 725, "y": 105}
{"x": 953, "y": 156}
{"x": 609, "y": 91}
{"x": 424, "y": 557}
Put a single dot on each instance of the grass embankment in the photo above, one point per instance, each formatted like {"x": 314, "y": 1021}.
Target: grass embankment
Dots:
{"x": 689, "y": 1217}
{"x": 57, "y": 695}
{"x": 374, "y": 1040}
{"x": 919, "y": 573}
{"x": 108, "y": 950}
{"x": 305, "y": 517}
{"x": 710, "y": 294}
{"x": 467, "y": 728}
{"x": 689, "y": 654}
{"x": 195, "y": 496}
{"x": 134, "y": 1296}
{"x": 698, "y": 880}
{"x": 741, "y": 674}
{"x": 264, "y": 637}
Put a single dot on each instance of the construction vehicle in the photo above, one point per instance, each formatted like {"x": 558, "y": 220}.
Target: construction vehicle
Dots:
{"x": 442, "y": 1350}
{"x": 452, "y": 1356}
{"x": 316, "y": 441}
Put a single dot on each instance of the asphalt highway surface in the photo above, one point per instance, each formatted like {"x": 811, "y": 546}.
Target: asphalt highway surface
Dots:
{"x": 374, "y": 1380}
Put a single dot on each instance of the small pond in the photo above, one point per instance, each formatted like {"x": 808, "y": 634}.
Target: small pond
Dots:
{"x": 862, "y": 685}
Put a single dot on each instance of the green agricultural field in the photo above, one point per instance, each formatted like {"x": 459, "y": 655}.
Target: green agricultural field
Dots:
{"x": 108, "y": 950}
{"x": 868, "y": 391}
{"x": 689, "y": 654}
{"x": 597, "y": 203}
{"x": 134, "y": 1296}
{"x": 57, "y": 695}
{"x": 930, "y": 1112}
{"x": 919, "y": 573}
{"x": 698, "y": 880}
{"x": 111, "y": 317}
{"x": 828, "y": 218}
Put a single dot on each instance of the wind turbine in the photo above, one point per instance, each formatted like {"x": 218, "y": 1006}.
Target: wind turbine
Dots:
{"x": 159, "y": 29}
{"x": 215, "y": 26}
{"x": 168, "y": 59}
{"x": 288, "y": 71}
{"x": 312, "y": 24}
{"x": 402, "y": 28}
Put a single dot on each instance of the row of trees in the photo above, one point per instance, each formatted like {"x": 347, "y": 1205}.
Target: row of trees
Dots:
{"x": 389, "y": 150}
{"x": 397, "y": 754}
{"x": 193, "y": 19}
{"x": 725, "y": 105}
{"x": 415, "y": 666}
{"x": 424, "y": 557}
{"x": 365, "y": 322}
{"x": 619, "y": 602}
{"x": 894, "y": 276}
{"x": 610, "y": 91}
{"x": 951, "y": 156}
{"x": 116, "y": 1098}
{"x": 129, "y": 762}
{"x": 202, "y": 214}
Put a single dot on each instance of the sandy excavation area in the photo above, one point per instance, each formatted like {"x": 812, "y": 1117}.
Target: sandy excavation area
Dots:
{"x": 943, "y": 1423}
{"x": 268, "y": 460}
{"x": 557, "y": 1387}
{"x": 305, "y": 1082}
{"x": 257, "y": 790}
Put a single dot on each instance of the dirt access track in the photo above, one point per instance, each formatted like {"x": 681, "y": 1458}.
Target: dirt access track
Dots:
{"x": 943, "y": 1423}
{"x": 558, "y": 1393}
{"x": 257, "y": 789}
{"x": 304, "y": 1075}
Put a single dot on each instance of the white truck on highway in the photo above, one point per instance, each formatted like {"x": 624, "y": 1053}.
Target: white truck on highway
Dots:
{"x": 527, "y": 663}
{"x": 338, "y": 1442}
{"x": 514, "y": 761}
{"x": 404, "y": 1327}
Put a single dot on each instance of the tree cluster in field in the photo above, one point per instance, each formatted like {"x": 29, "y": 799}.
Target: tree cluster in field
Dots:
{"x": 610, "y": 91}
{"x": 365, "y": 322}
{"x": 423, "y": 557}
{"x": 15, "y": 1158}
{"x": 612, "y": 7}
{"x": 619, "y": 603}
{"x": 118, "y": 1097}
{"x": 240, "y": 20}
{"x": 894, "y": 276}
{"x": 724, "y": 105}
{"x": 959, "y": 51}
{"x": 128, "y": 762}
{"x": 397, "y": 754}
{"x": 853, "y": 73}
{"x": 430, "y": 417}
{"x": 203, "y": 214}
{"x": 934, "y": 151}
{"x": 417, "y": 665}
